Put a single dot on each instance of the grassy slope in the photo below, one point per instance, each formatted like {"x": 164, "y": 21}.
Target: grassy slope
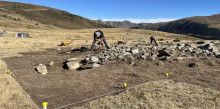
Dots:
{"x": 12, "y": 95}
{"x": 45, "y": 15}
{"x": 207, "y": 27}
{"x": 160, "y": 94}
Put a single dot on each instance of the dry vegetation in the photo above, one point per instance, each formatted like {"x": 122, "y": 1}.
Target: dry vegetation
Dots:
{"x": 11, "y": 46}
{"x": 160, "y": 94}
{"x": 50, "y": 38}
{"x": 12, "y": 95}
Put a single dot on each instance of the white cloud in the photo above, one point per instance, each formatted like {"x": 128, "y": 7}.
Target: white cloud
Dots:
{"x": 143, "y": 20}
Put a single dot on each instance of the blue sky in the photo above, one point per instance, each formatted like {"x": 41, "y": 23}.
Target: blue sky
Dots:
{"x": 137, "y": 11}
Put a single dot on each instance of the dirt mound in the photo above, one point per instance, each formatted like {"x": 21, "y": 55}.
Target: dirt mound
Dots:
{"x": 160, "y": 94}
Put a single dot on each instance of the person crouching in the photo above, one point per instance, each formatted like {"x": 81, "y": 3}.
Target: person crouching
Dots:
{"x": 99, "y": 38}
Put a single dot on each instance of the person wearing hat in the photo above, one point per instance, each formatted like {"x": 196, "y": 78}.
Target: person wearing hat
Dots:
{"x": 100, "y": 39}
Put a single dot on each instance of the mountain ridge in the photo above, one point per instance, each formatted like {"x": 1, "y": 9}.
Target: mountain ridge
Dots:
{"x": 206, "y": 27}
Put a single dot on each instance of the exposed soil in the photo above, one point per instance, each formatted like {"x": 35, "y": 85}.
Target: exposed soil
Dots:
{"x": 61, "y": 86}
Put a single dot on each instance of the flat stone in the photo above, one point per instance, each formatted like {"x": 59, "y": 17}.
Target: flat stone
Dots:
{"x": 95, "y": 65}
{"x": 71, "y": 59}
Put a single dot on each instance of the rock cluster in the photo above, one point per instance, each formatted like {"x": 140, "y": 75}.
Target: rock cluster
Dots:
{"x": 149, "y": 52}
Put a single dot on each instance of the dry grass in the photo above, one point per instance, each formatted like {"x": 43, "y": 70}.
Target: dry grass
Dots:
{"x": 12, "y": 95}
{"x": 11, "y": 46}
{"x": 160, "y": 94}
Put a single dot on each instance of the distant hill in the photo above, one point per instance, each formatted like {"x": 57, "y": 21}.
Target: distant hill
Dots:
{"x": 44, "y": 15}
{"x": 206, "y": 27}
{"x": 119, "y": 24}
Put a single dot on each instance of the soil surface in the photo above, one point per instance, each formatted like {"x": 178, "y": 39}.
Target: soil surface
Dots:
{"x": 61, "y": 86}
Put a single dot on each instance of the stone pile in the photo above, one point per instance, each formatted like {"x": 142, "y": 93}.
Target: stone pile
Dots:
{"x": 164, "y": 51}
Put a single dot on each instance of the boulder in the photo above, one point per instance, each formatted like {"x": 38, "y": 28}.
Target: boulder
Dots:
{"x": 73, "y": 65}
{"x": 135, "y": 51}
{"x": 94, "y": 59}
{"x": 42, "y": 69}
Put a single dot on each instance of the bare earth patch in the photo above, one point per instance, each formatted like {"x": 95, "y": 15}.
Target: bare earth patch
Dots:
{"x": 12, "y": 96}
{"x": 61, "y": 87}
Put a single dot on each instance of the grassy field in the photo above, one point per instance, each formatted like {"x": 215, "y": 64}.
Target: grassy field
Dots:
{"x": 13, "y": 96}
{"x": 11, "y": 46}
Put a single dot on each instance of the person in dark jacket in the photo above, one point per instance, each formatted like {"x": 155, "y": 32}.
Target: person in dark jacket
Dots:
{"x": 153, "y": 39}
{"x": 99, "y": 38}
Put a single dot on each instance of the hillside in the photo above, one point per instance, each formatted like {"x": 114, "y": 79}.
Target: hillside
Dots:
{"x": 119, "y": 24}
{"x": 206, "y": 27}
{"x": 13, "y": 14}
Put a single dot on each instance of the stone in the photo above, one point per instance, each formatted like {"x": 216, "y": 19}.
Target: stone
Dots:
{"x": 200, "y": 42}
{"x": 36, "y": 43}
{"x": 146, "y": 54}
{"x": 143, "y": 57}
{"x": 94, "y": 65}
{"x": 135, "y": 51}
{"x": 217, "y": 56}
{"x": 94, "y": 59}
{"x": 127, "y": 53}
{"x": 181, "y": 44}
{"x": 191, "y": 65}
{"x": 159, "y": 63}
{"x": 42, "y": 69}
{"x": 71, "y": 59}
{"x": 51, "y": 63}
{"x": 150, "y": 58}
{"x": 131, "y": 63}
{"x": 87, "y": 58}
{"x": 180, "y": 58}
{"x": 3, "y": 33}
{"x": 73, "y": 65}
{"x": 164, "y": 53}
